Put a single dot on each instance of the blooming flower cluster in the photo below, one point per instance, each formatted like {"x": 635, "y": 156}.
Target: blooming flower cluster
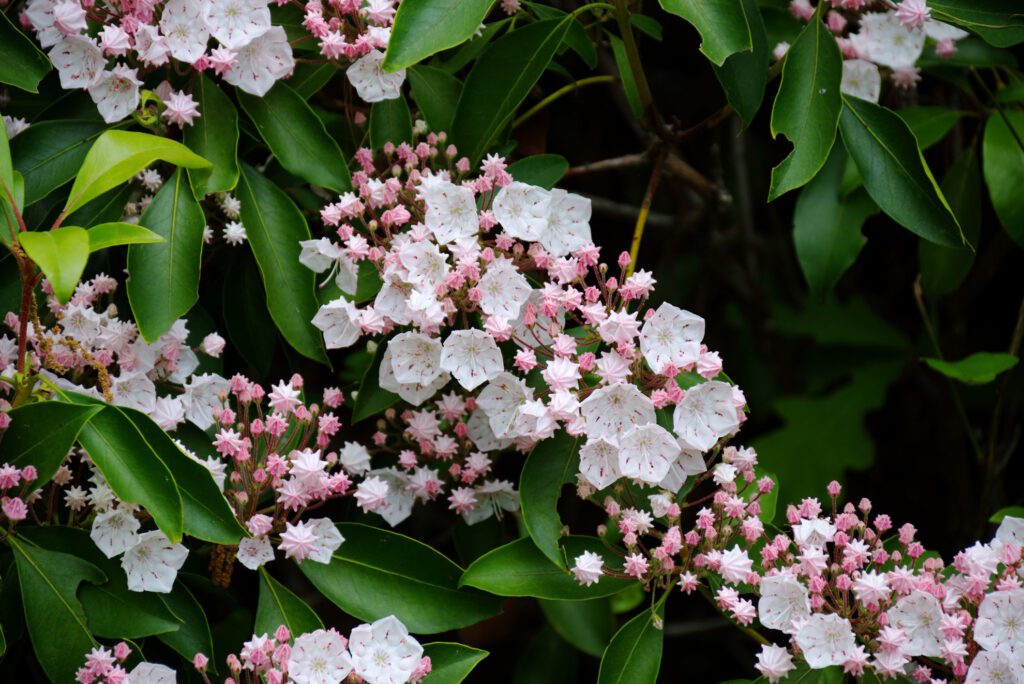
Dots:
{"x": 15, "y": 487}
{"x": 105, "y": 666}
{"x": 888, "y": 40}
{"x": 382, "y": 652}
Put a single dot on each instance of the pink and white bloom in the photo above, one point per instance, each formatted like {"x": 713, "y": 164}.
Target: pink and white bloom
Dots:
{"x": 825, "y": 640}
{"x": 784, "y": 600}
{"x": 647, "y": 452}
{"x": 371, "y": 82}
{"x": 472, "y": 357}
{"x": 262, "y": 62}
{"x": 706, "y": 414}
{"x": 588, "y": 568}
{"x": 153, "y": 563}
{"x": 115, "y": 530}
{"x": 673, "y": 336}
{"x": 319, "y": 657}
{"x": 383, "y": 652}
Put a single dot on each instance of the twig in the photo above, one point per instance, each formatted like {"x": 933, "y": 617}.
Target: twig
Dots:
{"x": 564, "y": 90}
{"x": 623, "y": 162}
{"x": 645, "y": 208}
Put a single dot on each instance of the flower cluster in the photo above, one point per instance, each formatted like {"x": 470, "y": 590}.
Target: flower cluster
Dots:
{"x": 379, "y": 653}
{"x": 105, "y": 666}
{"x": 16, "y": 489}
{"x": 887, "y": 42}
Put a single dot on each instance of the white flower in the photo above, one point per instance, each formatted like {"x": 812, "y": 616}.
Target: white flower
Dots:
{"x": 784, "y": 599}
{"x": 993, "y": 667}
{"x": 1011, "y": 530}
{"x": 1000, "y": 624}
{"x": 825, "y": 640}
{"x": 413, "y": 393}
{"x": 492, "y": 497}
{"x": 372, "y": 83}
{"x": 398, "y": 502}
{"x": 735, "y": 565}
{"x": 372, "y": 493}
{"x": 501, "y": 401}
{"x": 383, "y": 652}
{"x": 871, "y": 588}
{"x": 671, "y": 335}
{"x": 588, "y": 568}
{"x": 134, "y": 390}
{"x": 150, "y": 47}
{"x": 236, "y": 23}
{"x": 647, "y": 452}
{"x": 234, "y": 233}
{"x": 887, "y": 42}
{"x": 319, "y": 657}
{"x": 523, "y": 210}
{"x": 415, "y": 358}
{"x": 354, "y": 457}
{"x": 339, "y": 322}
{"x": 690, "y": 462}
{"x": 451, "y": 211}
{"x": 153, "y": 563}
{"x": 861, "y": 79}
{"x": 255, "y": 551}
{"x": 706, "y": 414}
{"x": 568, "y": 226}
{"x": 919, "y": 615}
{"x": 168, "y": 413}
{"x": 14, "y": 125}
{"x": 328, "y": 539}
{"x": 938, "y": 31}
{"x": 503, "y": 290}
{"x": 813, "y": 532}
{"x": 182, "y": 25}
{"x": 116, "y": 93}
{"x": 115, "y": 530}
{"x": 202, "y": 395}
{"x": 262, "y": 62}
{"x": 612, "y": 411}
{"x": 599, "y": 462}
{"x": 40, "y": 15}
{"x": 472, "y": 357}
{"x": 78, "y": 60}
{"x": 774, "y": 662}
{"x": 151, "y": 673}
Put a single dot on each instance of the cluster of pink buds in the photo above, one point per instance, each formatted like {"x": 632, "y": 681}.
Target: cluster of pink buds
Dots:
{"x": 16, "y": 490}
{"x": 106, "y": 666}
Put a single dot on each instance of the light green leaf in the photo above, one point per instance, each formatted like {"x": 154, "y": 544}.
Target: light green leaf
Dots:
{"x": 164, "y": 282}
{"x": 587, "y": 625}
{"x": 390, "y": 121}
{"x": 49, "y": 154}
{"x": 375, "y": 573}
{"x": 436, "y": 92}
{"x": 1009, "y": 511}
{"x": 500, "y": 80}
{"x": 979, "y": 368}
{"x": 22, "y": 64}
{"x": 371, "y": 398}
{"x": 521, "y": 569}
{"x": 275, "y": 226}
{"x": 807, "y": 107}
{"x": 1003, "y": 163}
{"x": 279, "y": 606}
{"x": 425, "y": 27}
{"x": 722, "y": 25}
{"x": 895, "y": 173}
{"x": 551, "y": 464}
{"x": 543, "y": 170}
{"x": 451, "y": 663}
{"x": 634, "y": 654}
{"x": 943, "y": 269}
{"x": 61, "y": 254}
{"x": 214, "y": 136}
{"x": 42, "y": 434}
{"x": 744, "y": 74}
{"x": 999, "y": 22}
{"x": 297, "y": 137}
{"x": 49, "y": 581}
{"x": 116, "y": 234}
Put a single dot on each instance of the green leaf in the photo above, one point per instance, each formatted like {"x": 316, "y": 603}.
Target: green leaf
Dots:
{"x": 42, "y": 434}
{"x": 22, "y": 64}
{"x": 648, "y": 25}
{"x": 375, "y": 573}
{"x": 970, "y": 52}
{"x": 117, "y": 156}
{"x": 242, "y": 315}
{"x": 551, "y": 464}
{"x": 275, "y": 226}
{"x": 279, "y": 606}
{"x": 107, "y": 208}
{"x": 521, "y": 569}
{"x": 297, "y": 137}
{"x": 473, "y": 541}
{"x": 310, "y": 78}
{"x": 722, "y": 25}
{"x": 543, "y": 170}
{"x": 587, "y": 625}
{"x": 55, "y": 619}
{"x": 49, "y": 154}
{"x": 1003, "y": 163}
{"x": 6, "y": 167}
{"x": 625, "y": 72}
{"x": 193, "y": 633}
{"x": 425, "y": 27}
{"x": 826, "y": 228}
{"x": 371, "y": 399}
{"x": 436, "y": 93}
{"x": 8, "y": 221}
{"x": 500, "y": 80}
{"x": 116, "y": 234}
{"x": 943, "y": 269}
{"x": 634, "y": 654}
{"x": 1009, "y": 511}
{"x": 979, "y": 368}
{"x": 214, "y": 136}
{"x": 997, "y": 21}
{"x": 61, "y": 254}
{"x": 807, "y": 107}
{"x": 895, "y": 173}
{"x": 164, "y": 282}
{"x": 390, "y": 121}
{"x": 547, "y": 659}
{"x": 744, "y": 74}
{"x": 451, "y": 663}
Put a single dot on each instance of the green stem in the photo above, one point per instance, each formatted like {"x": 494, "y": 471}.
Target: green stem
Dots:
{"x": 633, "y": 55}
{"x": 561, "y": 92}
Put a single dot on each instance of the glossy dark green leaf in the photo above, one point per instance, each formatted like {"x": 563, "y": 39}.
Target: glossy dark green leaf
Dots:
{"x": 634, "y": 654}
{"x": 943, "y": 269}
{"x": 576, "y": 38}
{"x": 895, "y": 173}
{"x": 629, "y": 87}
{"x": 970, "y": 52}
{"x": 297, "y": 137}
{"x": 587, "y": 625}
{"x": 165, "y": 276}
{"x": 547, "y": 659}
{"x": 473, "y": 541}
{"x": 744, "y": 74}
{"x": 214, "y": 136}
{"x": 49, "y": 154}
{"x": 42, "y": 434}
{"x": 242, "y": 315}
{"x": 49, "y": 581}
{"x": 807, "y": 107}
{"x": 521, "y": 569}
{"x": 648, "y": 25}
{"x": 279, "y": 606}
{"x": 22, "y": 64}
{"x": 1000, "y": 23}
{"x": 193, "y": 633}
{"x": 436, "y": 92}
{"x": 451, "y": 663}
{"x": 61, "y": 255}
{"x": 371, "y": 399}
{"x": 543, "y": 170}
{"x": 979, "y": 368}
{"x": 309, "y": 79}
{"x": 375, "y": 573}
{"x": 390, "y": 122}
{"x": 275, "y": 226}
{"x": 500, "y": 80}
{"x": 425, "y": 27}
{"x": 1003, "y": 163}
{"x": 722, "y": 25}
{"x": 551, "y": 464}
